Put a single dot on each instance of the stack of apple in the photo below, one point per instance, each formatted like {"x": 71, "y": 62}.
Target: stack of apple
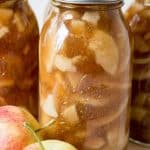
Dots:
{"x": 17, "y": 128}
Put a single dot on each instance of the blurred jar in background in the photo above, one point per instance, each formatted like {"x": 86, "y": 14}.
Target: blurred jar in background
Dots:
{"x": 138, "y": 17}
{"x": 85, "y": 74}
{"x": 18, "y": 55}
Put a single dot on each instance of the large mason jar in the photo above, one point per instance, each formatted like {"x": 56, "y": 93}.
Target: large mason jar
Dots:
{"x": 19, "y": 37}
{"x": 85, "y": 74}
{"x": 138, "y": 17}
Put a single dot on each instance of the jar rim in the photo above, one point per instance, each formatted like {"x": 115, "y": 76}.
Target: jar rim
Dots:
{"x": 91, "y": 2}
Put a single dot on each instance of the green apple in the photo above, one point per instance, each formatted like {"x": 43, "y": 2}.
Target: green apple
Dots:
{"x": 51, "y": 145}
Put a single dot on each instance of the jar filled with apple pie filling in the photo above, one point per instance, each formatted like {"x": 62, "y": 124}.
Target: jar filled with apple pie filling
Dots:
{"x": 18, "y": 55}
{"x": 138, "y": 17}
{"x": 85, "y": 74}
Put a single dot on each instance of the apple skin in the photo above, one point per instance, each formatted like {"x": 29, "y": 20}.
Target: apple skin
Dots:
{"x": 13, "y": 134}
{"x": 51, "y": 145}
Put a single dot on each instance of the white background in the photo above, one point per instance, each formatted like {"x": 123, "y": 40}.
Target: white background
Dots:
{"x": 39, "y": 7}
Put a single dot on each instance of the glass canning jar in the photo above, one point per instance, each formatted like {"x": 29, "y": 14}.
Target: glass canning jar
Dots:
{"x": 85, "y": 74}
{"x": 138, "y": 17}
{"x": 19, "y": 37}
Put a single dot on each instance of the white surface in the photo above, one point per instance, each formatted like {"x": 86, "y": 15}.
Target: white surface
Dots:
{"x": 39, "y": 7}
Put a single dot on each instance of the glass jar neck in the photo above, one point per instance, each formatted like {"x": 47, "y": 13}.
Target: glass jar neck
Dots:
{"x": 101, "y": 6}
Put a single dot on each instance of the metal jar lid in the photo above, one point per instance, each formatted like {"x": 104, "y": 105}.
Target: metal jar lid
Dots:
{"x": 90, "y": 1}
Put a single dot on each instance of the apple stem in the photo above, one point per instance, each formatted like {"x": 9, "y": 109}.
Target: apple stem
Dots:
{"x": 31, "y": 130}
{"x": 46, "y": 125}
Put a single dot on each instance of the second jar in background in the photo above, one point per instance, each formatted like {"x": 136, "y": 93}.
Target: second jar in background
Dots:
{"x": 19, "y": 37}
{"x": 138, "y": 17}
{"x": 85, "y": 74}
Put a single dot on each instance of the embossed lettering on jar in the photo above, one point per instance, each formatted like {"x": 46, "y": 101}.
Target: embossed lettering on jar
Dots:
{"x": 19, "y": 37}
{"x": 85, "y": 74}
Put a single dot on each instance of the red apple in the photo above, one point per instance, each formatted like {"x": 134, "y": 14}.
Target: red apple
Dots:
{"x": 13, "y": 134}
